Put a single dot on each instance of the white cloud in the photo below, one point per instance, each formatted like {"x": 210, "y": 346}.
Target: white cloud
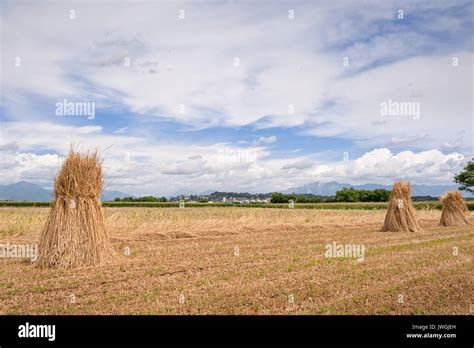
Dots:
{"x": 443, "y": 91}
{"x": 132, "y": 165}
{"x": 194, "y": 165}
{"x": 289, "y": 65}
{"x": 383, "y": 166}
{"x": 265, "y": 140}
{"x": 188, "y": 62}
{"x": 18, "y": 166}
{"x": 302, "y": 164}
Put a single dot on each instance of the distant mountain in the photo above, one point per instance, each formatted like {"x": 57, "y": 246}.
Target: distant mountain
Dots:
{"x": 330, "y": 188}
{"x": 26, "y": 191}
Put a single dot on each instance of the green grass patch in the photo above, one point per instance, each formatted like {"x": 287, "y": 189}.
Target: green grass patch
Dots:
{"x": 328, "y": 206}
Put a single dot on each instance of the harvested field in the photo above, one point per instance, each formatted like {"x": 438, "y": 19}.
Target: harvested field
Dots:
{"x": 247, "y": 261}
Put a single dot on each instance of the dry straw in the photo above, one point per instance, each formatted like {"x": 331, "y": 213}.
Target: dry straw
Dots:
{"x": 400, "y": 214}
{"x": 454, "y": 210}
{"x": 74, "y": 234}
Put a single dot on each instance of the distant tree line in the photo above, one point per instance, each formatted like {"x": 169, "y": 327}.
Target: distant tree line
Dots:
{"x": 218, "y": 196}
{"x": 278, "y": 197}
{"x": 344, "y": 195}
{"x": 141, "y": 199}
{"x": 354, "y": 195}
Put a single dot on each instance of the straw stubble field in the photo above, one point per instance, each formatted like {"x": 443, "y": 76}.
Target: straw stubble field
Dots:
{"x": 247, "y": 261}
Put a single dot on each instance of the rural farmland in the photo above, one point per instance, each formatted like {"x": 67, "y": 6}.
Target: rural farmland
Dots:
{"x": 235, "y": 260}
{"x": 237, "y": 172}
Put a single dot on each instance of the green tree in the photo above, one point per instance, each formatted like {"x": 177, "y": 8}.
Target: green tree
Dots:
{"x": 466, "y": 177}
{"x": 365, "y": 196}
{"x": 353, "y": 195}
{"x": 380, "y": 195}
{"x": 347, "y": 195}
{"x": 278, "y": 197}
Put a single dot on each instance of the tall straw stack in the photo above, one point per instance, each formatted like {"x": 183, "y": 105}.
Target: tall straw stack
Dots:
{"x": 400, "y": 214}
{"x": 74, "y": 234}
{"x": 454, "y": 210}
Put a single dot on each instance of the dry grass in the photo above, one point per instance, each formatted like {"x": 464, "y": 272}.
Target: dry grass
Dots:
{"x": 400, "y": 213}
{"x": 280, "y": 253}
{"x": 454, "y": 210}
{"x": 74, "y": 233}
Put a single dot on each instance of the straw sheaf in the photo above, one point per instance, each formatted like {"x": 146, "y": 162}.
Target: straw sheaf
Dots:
{"x": 455, "y": 212}
{"x": 400, "y": 213}
{"x": 80, "y": 176}
{"x": 74, "y": 234}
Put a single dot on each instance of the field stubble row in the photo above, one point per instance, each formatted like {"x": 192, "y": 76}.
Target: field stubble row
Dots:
{"x": 185, "y": 261}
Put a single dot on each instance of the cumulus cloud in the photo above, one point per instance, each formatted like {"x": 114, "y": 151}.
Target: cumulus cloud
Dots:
{"x": 18, "y": 166}
{"x": 136, "y": 167}
{"x": 383, "y": 166}
{"x": 145, "y": 62}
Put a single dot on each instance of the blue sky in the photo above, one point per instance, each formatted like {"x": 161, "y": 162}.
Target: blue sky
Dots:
{"x": 236, "y": 95}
